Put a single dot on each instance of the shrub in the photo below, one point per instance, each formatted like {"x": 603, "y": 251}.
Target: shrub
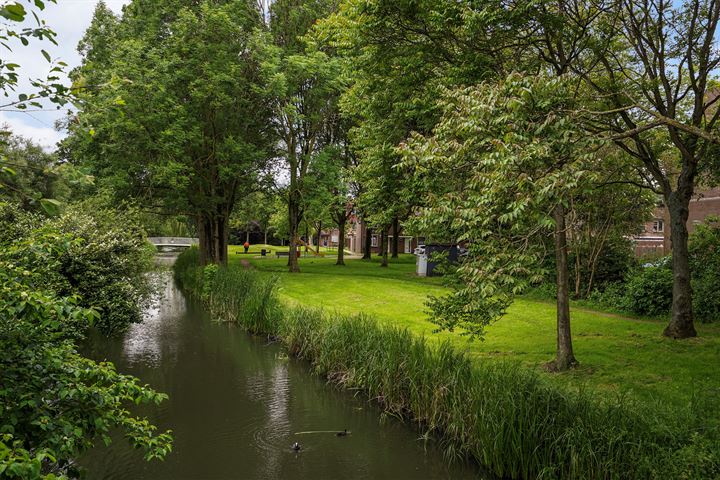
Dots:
{"x": 56, "y": 404}
{"x": 101, "y": 257}
{"x": 16, "y": 223}
{"x": 704, "y": 246}
{"x": 613, "y": 263}
{"x": 649, "y": 291}
{"x": 613, "y": 297}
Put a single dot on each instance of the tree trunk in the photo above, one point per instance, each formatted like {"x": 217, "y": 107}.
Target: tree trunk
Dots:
{"x": 294, "y": 224}
{"x": 213, "y": 233}
{"x": 384, "y": 247}
{"x": 681, "y": 324}
{"x": 565, "y": 359}
{"x": 265, "y": 240}
{"x": 396, "y": 238}
{"x": 247, "y": 236}
{"x": 319, "y": 233}
{"x": 368, "y": 243}
{"x": 383, "y": 242}
{"x": 341, "y": 242}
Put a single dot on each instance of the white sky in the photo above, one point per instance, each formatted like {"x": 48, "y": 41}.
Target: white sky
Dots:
{"x": 69, "y": 19}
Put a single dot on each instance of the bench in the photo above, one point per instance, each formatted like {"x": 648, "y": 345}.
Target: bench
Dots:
{"x": 262, "y": 252}
{"x": 282, "y": 254}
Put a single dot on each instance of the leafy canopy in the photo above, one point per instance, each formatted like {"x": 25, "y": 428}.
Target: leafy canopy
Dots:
{"x": 500, "y": 159}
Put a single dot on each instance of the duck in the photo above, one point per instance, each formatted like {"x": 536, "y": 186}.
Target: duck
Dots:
{"x": 296, "y": 446}
{"x": 344, "y": 433}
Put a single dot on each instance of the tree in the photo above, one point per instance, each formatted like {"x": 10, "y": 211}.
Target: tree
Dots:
{"x": 182, "y": 124}
{"x": 279, "y": 219}
{"x": 651, "y": 67}
{"x": 96, "y": 48}
{"x": 254, "y": 209}
{"x": 401, "y": 55}
{"x": 338, "y": 164}
{"x": 14, "y": 13}
{"x": 317, "y": 196}
{"x": 28, "y": 175}
{"x": 304, "y": 86}
{"x": 600, "y": 221}
{"x": 499, "y": 170}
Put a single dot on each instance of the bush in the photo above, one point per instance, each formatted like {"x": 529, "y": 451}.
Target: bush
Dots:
{"x": 615, "y": 261}
{"x": 704, "y": 249}
{"x": 101, "y": 257}
{"x": 648, "y": 291}
{"x": 613, "y": 297}
{"x": 56, "y": 404}
{"x": 16, "y": 223}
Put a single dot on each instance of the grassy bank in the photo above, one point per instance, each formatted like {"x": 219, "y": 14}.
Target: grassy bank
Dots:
{"x": 506, "y": 417}
{"x": 618, "y": 355}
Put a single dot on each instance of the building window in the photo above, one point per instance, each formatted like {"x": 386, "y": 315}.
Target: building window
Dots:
{"x": 658, "y": 226}
{"x": 374, "y": 241}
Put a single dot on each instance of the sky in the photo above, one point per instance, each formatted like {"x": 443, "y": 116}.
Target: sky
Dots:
{"x": 69, "y": 19}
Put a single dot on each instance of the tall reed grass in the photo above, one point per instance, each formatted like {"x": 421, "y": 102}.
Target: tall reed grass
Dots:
{"x": 504, "y": 416}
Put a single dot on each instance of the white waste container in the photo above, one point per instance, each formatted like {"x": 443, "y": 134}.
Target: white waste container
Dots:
{"x": 421, "y": 264}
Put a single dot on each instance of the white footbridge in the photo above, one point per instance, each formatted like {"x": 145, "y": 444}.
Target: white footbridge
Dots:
{"x": 169, "y": 242}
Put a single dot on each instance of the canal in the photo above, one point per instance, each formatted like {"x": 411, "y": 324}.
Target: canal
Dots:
{"x": 237, "y": 404}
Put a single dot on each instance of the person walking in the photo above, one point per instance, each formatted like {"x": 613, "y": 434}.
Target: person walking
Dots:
{"x": 247, "y": 246}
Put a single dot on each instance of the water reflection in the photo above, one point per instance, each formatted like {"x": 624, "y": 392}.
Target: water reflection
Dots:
{"x": 144, "y": 342}
{"x": 236, "y": 404}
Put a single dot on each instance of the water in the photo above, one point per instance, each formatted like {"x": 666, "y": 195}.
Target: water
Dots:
{"x": 236, "y": 404}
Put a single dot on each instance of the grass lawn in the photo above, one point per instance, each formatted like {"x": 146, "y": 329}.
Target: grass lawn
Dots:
{"x": 255, "y": 250}
{"x": 618, "y": 355}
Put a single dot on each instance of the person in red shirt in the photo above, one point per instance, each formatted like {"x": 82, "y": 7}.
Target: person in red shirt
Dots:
{"x": 247, "y": 246}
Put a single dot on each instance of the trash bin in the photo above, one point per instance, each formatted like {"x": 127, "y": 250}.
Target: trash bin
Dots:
{"x": 449, "y": 251}
{"x": 263, "y": 252}
{"x": 298, "y": 252}
{"x": 421, "y": 265}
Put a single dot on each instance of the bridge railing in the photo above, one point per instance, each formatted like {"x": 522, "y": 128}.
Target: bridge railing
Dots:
{"x": 173, "y": 241}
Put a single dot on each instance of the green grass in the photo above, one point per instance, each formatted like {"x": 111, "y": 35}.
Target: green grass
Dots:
{"x": 510, "y": 419}
{"x": 618, "y": 355}
{"x": 254, "y": 250}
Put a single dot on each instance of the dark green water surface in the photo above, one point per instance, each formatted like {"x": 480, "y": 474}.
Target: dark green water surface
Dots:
{"x": 236, "y": 404}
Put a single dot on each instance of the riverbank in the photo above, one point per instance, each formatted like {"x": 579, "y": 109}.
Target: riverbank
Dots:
{"x": 237, "y": 403}
{"x": 506, "y": 417}
{"x": 618, "y": 355}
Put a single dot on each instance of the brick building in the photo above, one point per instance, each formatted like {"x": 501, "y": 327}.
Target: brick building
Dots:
{"x": 655, "y": 239}
{"x": 355, "y": 238}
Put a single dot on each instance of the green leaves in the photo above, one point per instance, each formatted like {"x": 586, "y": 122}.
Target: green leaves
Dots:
{"x": 182, "y": 122}
{"x": 52, "y": 207}
{"x": 56, "y": 404}
{"x": 491, "y": 182}
{"x": 14, "y": 12}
